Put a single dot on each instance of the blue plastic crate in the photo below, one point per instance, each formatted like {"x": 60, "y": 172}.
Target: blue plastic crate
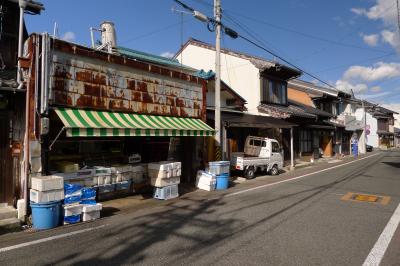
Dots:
{"x": 123, "y": 185}
{"x": 165, "y": 193}
{"x": 72, "y": 219}
{"x": 106, "y": 188}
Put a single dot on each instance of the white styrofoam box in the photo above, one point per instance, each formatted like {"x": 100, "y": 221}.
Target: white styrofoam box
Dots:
{"x": 177, "y": 165}
{"x": 176, "y": 172}
{"x": 113, "y": 179}
{"x": 163, "y": 182}
{"x": 46, "y": 196}
{"x": 161, "y": 166}
{"x": 165, "y": 193}
{"x": 118, "y": 169}
{"x": 100, "y": 170}
{"x": 91, "y": 208}
{"x": 46, "y": 183}
{"x": 205, "y": 177}
{"x": 70, "y": 210}
{"x": 159, "y": 173}
{"x": 107, "y": 179}
{"x": 206, "y": 187}
{"x": 89, "y": 216}
{"x": 88, "y": 172}
{"x": 123, "y": 176}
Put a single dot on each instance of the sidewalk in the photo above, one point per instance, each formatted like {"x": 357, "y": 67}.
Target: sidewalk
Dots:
{"x": 140, "y": 202}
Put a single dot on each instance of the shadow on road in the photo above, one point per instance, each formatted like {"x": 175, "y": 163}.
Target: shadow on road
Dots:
{"x": 198, "y": 226}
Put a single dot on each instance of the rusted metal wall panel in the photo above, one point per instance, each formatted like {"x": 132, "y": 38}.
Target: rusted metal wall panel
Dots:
{"x": 83, "y": 82}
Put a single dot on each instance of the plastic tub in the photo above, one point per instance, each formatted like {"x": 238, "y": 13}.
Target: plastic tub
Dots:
{"x": 222, "y": 182}
{"x": 46, "y": 215}
{"x": 219, "y": 167}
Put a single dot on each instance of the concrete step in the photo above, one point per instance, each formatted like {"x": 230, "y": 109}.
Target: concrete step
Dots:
{"x": 7, "y": 213}
{"x": 9, "y": 225}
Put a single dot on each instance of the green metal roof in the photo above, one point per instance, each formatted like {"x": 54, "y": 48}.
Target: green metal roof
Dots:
{"x": 156, "y": 59}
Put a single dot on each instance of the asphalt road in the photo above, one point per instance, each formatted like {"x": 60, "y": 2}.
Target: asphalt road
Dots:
{"x": 299, "y": 222}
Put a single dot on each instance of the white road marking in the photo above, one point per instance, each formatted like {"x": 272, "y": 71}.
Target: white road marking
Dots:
{"x": 298, "y": 177}
{"x": 375, "y": 256}
{"x": 30, "y": 243}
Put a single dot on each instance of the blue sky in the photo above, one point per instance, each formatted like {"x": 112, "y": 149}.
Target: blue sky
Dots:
{"x": 350, "y": 44}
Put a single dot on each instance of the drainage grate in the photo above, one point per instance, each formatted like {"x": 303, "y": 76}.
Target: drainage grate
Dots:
{"x": 366, "y": 198}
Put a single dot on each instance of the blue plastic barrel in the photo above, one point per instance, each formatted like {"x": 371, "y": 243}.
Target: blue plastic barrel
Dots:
{"x": 46, "y": 215}
{"x": 222, "y": 181}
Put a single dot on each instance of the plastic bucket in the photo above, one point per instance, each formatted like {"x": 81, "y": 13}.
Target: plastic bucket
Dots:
{"x": 222, "y": 182}
{"x": 46, "y": 215}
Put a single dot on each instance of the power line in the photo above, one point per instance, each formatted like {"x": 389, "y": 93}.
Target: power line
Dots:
{"x": 287, "y": 62}
{"x": 356, "y": 62}
{"x": 307, "y": 35}
{"x": 154, "y": 32}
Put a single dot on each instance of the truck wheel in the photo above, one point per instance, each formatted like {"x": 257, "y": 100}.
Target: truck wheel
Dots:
{"x": 250, "y": 172}
{"x": 274, "y": 170}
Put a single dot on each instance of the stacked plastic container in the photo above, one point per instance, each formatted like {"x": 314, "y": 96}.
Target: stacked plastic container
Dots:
{"x": 46, "y": 195}
{"x": 221, "y": 170}
{"x": 46, "y": 189}
{"x": 206, "y": 181}
{"x": 90, "y": 208}
{"x": 122, "y": 175}
{"x": 165, "y": 177}
{"x": 72, "y": 207}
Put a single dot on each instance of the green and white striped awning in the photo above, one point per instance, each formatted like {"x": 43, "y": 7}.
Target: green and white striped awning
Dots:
{"x": 84, "y": 123}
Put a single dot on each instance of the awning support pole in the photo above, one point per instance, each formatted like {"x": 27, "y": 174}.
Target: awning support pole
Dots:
{"x": 58, "y": 135}
{"x": 291, "y": 150}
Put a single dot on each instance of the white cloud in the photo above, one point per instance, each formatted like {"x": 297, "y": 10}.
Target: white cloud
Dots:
{"x": 69, "y": 36}
{"x": 167, "y": 54}
{"x": 371, "y": 40}
{"x": 346, "y": 86}
{"x": 386, "y": 11}
{"x": 375, "y": 89}
{"x": 359, "y": 11}
{"x": 378, "y": 71}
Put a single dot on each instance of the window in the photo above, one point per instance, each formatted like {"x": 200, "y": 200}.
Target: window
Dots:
{"x": 273, "y": 91}
{"x": 255, "y": 142}
{"x": 264, "y": 144}
{"x": 275, "y": 147}
{"x": 305, "y": 141}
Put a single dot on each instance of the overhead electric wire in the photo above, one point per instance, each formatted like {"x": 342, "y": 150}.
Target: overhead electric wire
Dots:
{"x": 153, "y": 32}
{"x": 287, "y": 62}
{"x": 307, "y": 35}
{"x": 237, "y": 35}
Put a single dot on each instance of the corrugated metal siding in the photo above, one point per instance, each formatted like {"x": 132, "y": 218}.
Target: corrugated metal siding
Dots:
{"x": 82, "y": 82}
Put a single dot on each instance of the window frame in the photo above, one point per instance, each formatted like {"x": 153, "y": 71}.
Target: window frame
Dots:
{"x": 273, "y": 90}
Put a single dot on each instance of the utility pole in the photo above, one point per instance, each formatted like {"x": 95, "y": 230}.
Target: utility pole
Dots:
{"x": 217, "y": 126}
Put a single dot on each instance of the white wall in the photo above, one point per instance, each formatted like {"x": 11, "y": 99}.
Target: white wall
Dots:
{"x": 240, "y": 74}
{"x": 372, "y": 138}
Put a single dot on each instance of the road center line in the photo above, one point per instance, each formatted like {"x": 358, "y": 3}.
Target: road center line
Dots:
{"x": 30, "y": 243}
{"x": 298, "y": 177}
{"x": 376, "y": 254}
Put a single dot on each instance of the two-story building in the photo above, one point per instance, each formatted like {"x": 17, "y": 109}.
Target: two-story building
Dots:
{"x": 262, "y": 83}
{"x": 95, "y": 107}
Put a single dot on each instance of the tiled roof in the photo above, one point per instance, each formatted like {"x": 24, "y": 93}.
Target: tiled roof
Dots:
{"x": 156, "y": 59}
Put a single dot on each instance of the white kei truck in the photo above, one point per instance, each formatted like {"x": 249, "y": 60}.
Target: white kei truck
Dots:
{"x": 260, "y": 154}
